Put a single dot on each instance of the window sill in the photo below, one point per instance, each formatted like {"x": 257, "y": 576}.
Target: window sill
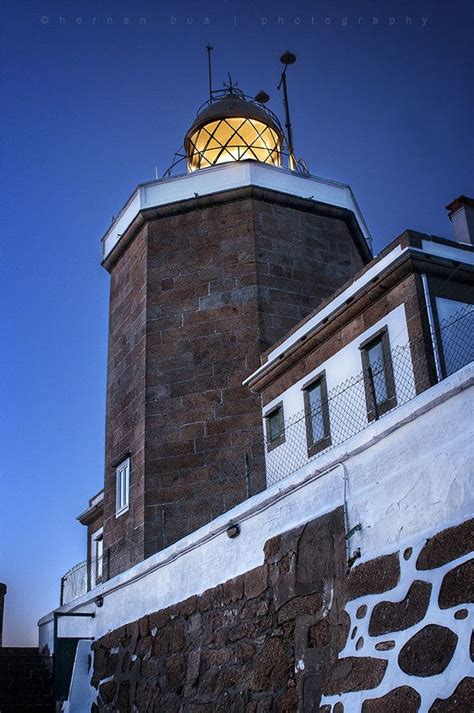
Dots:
{"x": 275, "y": 443}
{"x": 382, "y": 408}
{"x": 118, "y": 513}
{"x": 319, "y": 446}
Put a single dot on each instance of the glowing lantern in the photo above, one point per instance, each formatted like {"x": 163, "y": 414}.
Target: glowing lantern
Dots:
{"x": 233, "y": 129}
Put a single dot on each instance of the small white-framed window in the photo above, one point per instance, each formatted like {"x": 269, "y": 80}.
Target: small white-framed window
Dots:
{"x": 275, "y": 426}
{"x": 122, "y": 487}
{"x": 97, "y": 556}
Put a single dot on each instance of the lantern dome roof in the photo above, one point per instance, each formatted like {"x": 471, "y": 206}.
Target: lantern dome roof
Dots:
{"x": 235, "y": 105}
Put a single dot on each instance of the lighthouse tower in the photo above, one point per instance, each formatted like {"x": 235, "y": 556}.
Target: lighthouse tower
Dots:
{"x": 208, "y": 270}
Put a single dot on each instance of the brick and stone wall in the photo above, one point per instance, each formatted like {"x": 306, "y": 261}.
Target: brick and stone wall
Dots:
{"x": 199, "y": 292}
{"x": 304, "y": 633}
{"x": 125, "y": 419}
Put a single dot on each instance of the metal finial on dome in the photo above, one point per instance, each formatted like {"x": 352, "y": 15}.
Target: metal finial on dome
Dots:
{"x": 230, "y": 86}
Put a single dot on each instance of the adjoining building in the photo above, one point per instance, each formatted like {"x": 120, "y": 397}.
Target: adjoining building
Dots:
{"x": 284, "y": 523}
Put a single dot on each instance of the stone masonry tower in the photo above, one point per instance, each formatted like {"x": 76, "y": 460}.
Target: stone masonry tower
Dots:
{"x": 208, "y": 269}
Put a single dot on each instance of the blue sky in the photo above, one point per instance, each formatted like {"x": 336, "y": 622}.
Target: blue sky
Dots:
{"x": 90, "y": 107}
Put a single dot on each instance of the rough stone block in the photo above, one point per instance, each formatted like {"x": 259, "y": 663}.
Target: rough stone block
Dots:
{"x": 404, "y": 699}
{"x": 256, "y": 582}
{"x": 446, "y": 546}
{"x": 457, "y": 586}
{"x": 428, "y": 652}
{"x": 354, "y": 674}
{"x": 374, "y": 577}
{"x": 271, "y": 667}
{"x": 298, "y": 606}
{"x": 395, "y": 616}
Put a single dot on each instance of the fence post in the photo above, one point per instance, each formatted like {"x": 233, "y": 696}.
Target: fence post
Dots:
{"x": 61, "y": 595}
{"x": 372, "y": 392}
{"x": 247, "y": 476}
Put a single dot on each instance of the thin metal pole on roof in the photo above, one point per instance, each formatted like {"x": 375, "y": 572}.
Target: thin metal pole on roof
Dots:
{"x": 209, "y": 68}
{"x": 286, "y": 59}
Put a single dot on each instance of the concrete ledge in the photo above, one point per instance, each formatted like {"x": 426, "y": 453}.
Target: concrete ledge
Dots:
{"x": 227, "y": 177}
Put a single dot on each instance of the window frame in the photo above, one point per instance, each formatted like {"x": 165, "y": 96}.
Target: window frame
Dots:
{"x": 123, "y": 466}
{"x": 96, "y": 577}
{"x": 275, "y": 442}
{"x": 324, "y": 442}
{"x": 439, "y": 288}
{"x": 380, "y": 336}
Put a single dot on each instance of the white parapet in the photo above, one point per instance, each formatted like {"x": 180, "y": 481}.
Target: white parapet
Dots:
{"x": 225, "y": 177}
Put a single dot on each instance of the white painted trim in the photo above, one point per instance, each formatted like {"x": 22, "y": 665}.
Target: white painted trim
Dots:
{"x": 351, "y": 290}
{"x": 123, "y": 467}
{"x": 354, "y": 288}
{"x": 93, "y": 554}
{"x": 94, "y": 503}
{"x": 429, "y": 309}
{"x": 448, "y": 251}
{"x": 229, "y": 176}
{"x": 81, "y": 693}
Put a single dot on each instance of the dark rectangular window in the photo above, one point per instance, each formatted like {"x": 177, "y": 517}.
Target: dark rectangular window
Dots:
{"x": 318, "y": 432}
{"x": 275, "y": 427}
{"x": 454, "y": 322}
{"x": 452, "y": 304}
{"x": 378, "y": 375}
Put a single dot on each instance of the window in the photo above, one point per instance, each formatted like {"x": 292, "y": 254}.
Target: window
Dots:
{"x": 452, "y": 304}
{"x": 318, "y": 432}
{"x": 123, "y": 486}
{"x": 378, "y": 375}
{"x": 454, "y": 322}
{"x": 97, "y": 554}
{"x": 275, "y": 427}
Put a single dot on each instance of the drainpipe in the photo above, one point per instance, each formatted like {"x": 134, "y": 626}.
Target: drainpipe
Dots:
{"x": 431, "y": 322}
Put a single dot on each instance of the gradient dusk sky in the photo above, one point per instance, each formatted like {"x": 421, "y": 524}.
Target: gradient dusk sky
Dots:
{"x": 90, "y": 107}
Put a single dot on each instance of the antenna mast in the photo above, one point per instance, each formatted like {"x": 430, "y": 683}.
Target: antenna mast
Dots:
{"x": 209, "y": 69}
{"x": 288, "y": 58}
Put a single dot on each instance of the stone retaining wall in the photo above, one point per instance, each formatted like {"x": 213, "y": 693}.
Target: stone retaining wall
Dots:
{"x": 301, "y": 633}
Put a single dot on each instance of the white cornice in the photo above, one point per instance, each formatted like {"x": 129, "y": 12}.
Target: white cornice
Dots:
{"x": 225, "y": 177}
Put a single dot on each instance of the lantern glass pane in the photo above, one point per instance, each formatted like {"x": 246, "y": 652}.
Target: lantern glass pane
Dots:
{"x": 233, "y": 139}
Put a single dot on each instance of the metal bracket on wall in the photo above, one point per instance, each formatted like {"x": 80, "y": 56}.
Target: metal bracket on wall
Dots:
{"x": 353, "y": 530}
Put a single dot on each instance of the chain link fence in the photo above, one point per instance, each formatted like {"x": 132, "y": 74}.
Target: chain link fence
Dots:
{"x": 372, "y": 393}
{"x": 84, "y": 576}
{"x": 74, "y": 583}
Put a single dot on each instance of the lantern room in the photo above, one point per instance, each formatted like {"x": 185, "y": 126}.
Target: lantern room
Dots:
{"x": 233, "y": 127}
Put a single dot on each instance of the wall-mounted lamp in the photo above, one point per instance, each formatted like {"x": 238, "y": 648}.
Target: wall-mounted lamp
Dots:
{"x": 233, "y": 530}
{"x": 99, "y": 601}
